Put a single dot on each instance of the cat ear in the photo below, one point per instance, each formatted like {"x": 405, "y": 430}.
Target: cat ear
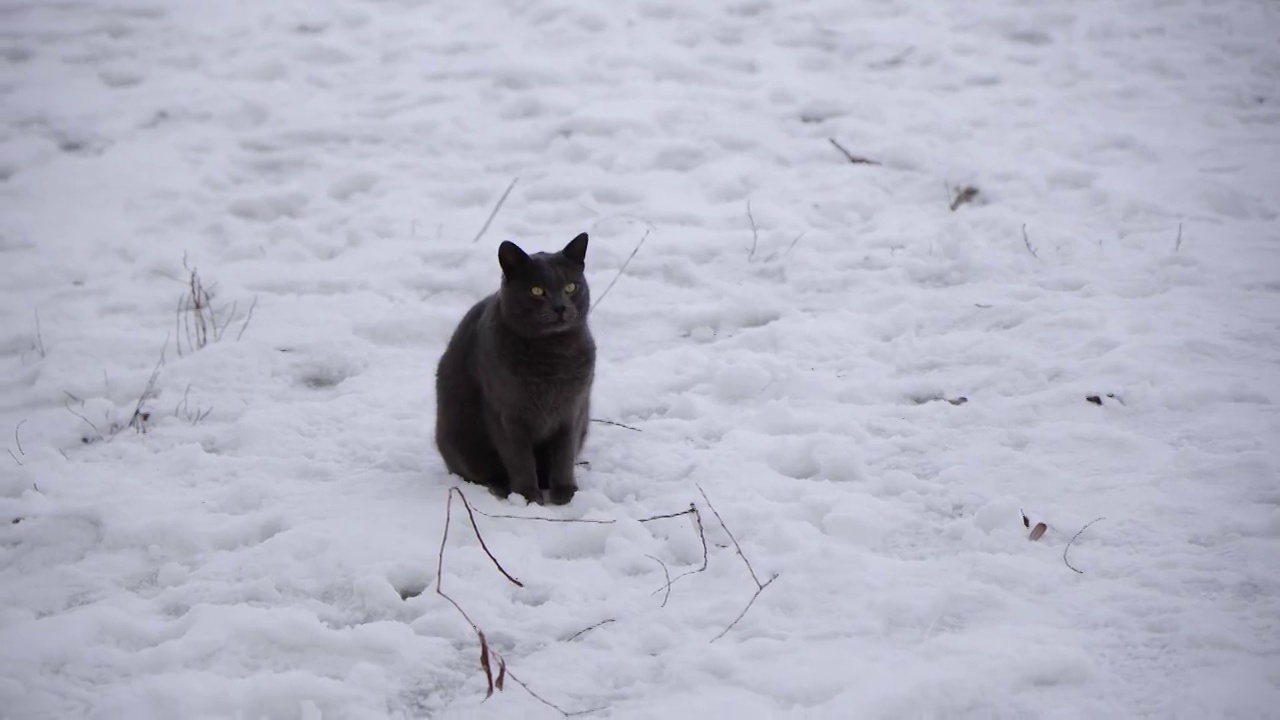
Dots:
{"x": 576, "y": 250}
{"x": 511, "y": 258}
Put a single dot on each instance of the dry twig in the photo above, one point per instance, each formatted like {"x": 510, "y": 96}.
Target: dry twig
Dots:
{"x": 855, "y": 159}
{"x": 67, "y": 404}
{"x": 1073, "y": 539}
{"x": 621, "y": 270}
{"x": 39, "y": 347}
{"x": 784, "y": 253}
{"x": 487, "y": 654}
{"x": 498, "y": 206}
{"x": 743, "y": 614}
{"x": 755, "y": 234}
{"x": 615, "y": 424}
{"x": 184, "y": 411}
{"x": 1027, "y": 241}
{"x": 198, "y": 321}
{"x": 692, "y": 510}
{"x": 586, "y": 630}
{"x": 138, "y": 421}
{"x": 248, "y": 316}
{"x": 760, "y": 586}
{"x": 736, "y": 546}
{"x": 665, "y": 571}
{"x": 1177, "y": 245}
{"x": 17, "y": 440}
{"x": 702, "y": 537}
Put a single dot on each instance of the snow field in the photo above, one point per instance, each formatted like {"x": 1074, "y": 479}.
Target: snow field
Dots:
{"x": 277, "y": 558}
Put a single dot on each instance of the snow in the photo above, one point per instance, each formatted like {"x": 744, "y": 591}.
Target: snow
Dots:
{"x": 246, "y": 557}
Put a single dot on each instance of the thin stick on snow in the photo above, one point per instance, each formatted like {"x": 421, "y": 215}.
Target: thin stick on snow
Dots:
{"x": 691, "y": 510}
{"x": 1073, "y": 539}
{"x": 621, "y": 270}
{"x": 485, "y": 651}
{"x": 138, "y": 421}
{"x": 615, "y": 424}
{"x": 855, "y": 159}
{"x": 755, "y": 234}
{"x": 736, "y": 546}
{"x": 586, "y": 630}
{"x": 247, "y": 318}
{"x": 784, "y": 253}
{"x": 218, "y": 332}
{"x": 1177, "y": 245}
{"x": 40, "y": 336}
{"x": 67, "y": 404}
{"x": 17, "y": 439}
{"x": 487, "y": 654}
{"x": 476, "y": 529}
{"x": 665, "y": 571}
{"x": 745, "y": 609}
{"x": 1027, "y": 241}
{"x": 498, "y": 206}
{"x": 759, "y": 585}
{"x": 550, "y": 704}
{"x": 177, "y": 322}
{"x": 702, "y": 536}
{"x": 545, "y": 519}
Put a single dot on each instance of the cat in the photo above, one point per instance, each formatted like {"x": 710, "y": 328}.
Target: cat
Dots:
{"x": 514, "y": 383}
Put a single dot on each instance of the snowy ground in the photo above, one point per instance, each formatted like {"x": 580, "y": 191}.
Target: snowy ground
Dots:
{"x": 335, "y": 160}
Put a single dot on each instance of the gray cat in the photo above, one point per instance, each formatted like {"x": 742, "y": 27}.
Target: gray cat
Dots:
{"x": 514, "y": 383}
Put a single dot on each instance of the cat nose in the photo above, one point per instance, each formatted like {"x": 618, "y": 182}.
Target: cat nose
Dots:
{"x": 559, "y": 309}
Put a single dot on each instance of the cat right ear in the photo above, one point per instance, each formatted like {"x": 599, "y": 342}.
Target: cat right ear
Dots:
{"x": 511, "y": 258}
{"x": 576, "y": 250}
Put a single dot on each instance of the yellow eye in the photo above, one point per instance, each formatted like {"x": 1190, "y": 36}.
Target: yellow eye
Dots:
{"x": 570, "y": 288}
{"x": 537, "y": 291}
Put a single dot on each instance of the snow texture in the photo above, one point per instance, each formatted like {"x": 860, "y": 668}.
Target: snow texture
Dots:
{"x": 795, "y": 337}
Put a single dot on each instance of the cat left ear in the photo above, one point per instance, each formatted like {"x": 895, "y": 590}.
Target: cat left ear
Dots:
{"x": 511, "y": 258}
{"x": 576, "y": 250}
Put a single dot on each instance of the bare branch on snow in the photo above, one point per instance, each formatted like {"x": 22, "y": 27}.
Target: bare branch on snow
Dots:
{"x": 39, "y": 346}
{"x": 586, "y": 630}
{"x": 621, "y": 270}
{"x": 1027, "y": 241}
{"x": 759, "y": 585}
{"x": 855, "y": 159}
{"x": 1073, "y": 539}
{"x": 615, "y": 424}
{"x": 488, "y": 656}
{"x": 498, "y": 206}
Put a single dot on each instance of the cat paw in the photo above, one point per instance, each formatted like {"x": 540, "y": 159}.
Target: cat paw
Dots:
{"x": 534, "y": 499}
{"x": 562, "y": 495}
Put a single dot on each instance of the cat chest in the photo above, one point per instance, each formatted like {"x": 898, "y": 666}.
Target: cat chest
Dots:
{"x": 540, "y": 405}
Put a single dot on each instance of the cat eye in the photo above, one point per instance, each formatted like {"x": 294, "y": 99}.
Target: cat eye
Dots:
{"x": 570, "y": 288}
{"x": 537, "y": 291}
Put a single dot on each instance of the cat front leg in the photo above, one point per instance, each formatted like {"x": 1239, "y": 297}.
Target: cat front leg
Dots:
{"x": 562, "y": 450}
{"x": 515, "y": 448}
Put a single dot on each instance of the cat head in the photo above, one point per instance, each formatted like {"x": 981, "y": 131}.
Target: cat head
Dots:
{"x": 544, "y": 293}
